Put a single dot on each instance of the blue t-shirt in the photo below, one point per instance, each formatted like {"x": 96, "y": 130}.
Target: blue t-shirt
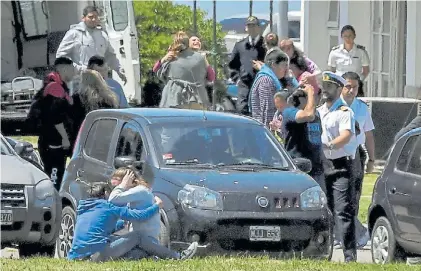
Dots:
{"x": 303, "y": 140}
{"x": 118, "y": 89}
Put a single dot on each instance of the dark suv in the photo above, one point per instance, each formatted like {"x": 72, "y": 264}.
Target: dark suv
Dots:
{"x": 395, "y": 211}
{"x": 224, "y": 179}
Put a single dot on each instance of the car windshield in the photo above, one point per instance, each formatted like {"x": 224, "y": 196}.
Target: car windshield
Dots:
{"x": 216, "y": 144}
{"x": 5, "y": 148}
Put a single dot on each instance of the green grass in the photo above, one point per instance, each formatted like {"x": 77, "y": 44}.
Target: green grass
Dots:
{"x": 211, "y": 263}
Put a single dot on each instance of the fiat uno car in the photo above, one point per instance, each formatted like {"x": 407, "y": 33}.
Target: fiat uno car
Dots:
{"x": 225, "y": 181}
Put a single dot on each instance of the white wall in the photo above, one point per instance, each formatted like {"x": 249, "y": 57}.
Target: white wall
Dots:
{"x": 359, "y": 16}
{"x": 8, "y": 48}
{"x": 413, "y": 48}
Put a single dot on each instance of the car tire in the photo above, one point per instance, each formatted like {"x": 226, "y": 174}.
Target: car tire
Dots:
{"x": 66, "y": 232}
{"x": 29, "y": 250}
{"x": 384, "y": 248}
{"x": 164, "y": 235}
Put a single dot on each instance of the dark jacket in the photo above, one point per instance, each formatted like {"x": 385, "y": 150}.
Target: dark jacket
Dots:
{"x": 241, "y": 64}
{"x": 55, "y": 109}
{"x": 415, "y": 123}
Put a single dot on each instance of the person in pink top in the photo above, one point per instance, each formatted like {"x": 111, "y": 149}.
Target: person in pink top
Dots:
{"x": 298, "y": 66}
{"x": 196, "y": 45}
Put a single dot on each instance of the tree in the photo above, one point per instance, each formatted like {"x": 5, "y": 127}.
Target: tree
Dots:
{"x": 157, "y": 21}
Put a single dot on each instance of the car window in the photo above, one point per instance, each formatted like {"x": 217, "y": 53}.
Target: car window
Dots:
{"x": 216, "y": 143}
{"x": 130, "y": 143}
{"x": 5, "y": 147}
{"x": 99, "y": 137}
{"x": 409, "y": 159}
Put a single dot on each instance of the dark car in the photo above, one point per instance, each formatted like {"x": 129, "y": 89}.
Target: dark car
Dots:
{"x": 225, "y": 180}
{"x": 395, "y": 211}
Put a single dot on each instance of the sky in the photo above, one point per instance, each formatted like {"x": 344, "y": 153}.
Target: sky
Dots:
{"x": 226, "y": 9}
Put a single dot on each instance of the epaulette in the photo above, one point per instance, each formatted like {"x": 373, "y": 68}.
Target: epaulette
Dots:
{"x": 335, "y": 47}
{"x": 364, "y": 102}
{"x": 344, "y": 108}
{"x": 360, "y": 47}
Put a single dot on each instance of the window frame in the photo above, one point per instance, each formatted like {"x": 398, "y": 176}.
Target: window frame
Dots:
{"x": 22, "y": 22}
{"x": 334, "y": 23}
{"x": 332, "y": 33}
{"x": 142, "y": 137}
{"x": 88, "y": 156}
{"x": 113, "y": 16}
{"x": 404, "y": 170}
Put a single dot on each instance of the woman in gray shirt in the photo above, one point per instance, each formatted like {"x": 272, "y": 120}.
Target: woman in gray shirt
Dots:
{"x": 184, "y": 72}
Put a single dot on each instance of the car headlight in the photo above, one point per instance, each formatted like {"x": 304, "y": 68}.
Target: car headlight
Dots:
{"x": 313, "y": 199}
{"x": 44, "y": 189}
{"x": 200, "y": 197}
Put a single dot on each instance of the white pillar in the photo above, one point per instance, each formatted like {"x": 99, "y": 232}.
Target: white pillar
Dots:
{"x": 413, "y": 45}
{"x": 343, "y": 17}
{"x": 282, "y": 22}
{"x": 304, "y": 29}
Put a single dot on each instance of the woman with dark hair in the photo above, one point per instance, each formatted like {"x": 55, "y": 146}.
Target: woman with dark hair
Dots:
{"x": 293, "y": 52}
{"x": 272, "y": 77}
{"x": 349, "y": 56}
{"x": 184, "y": 75}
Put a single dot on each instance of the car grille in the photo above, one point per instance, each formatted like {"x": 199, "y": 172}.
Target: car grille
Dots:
{"x": 247, "y": 202}
{"x": 12, "y": 195}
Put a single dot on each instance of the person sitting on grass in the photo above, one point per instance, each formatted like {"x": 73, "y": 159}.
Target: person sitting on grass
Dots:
{"x": 133, "y": 190}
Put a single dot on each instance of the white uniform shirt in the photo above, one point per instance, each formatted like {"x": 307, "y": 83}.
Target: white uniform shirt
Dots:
{"x": 352, "y": 61}
{"x": 363, "y": 117}
{"x": 335, "y": 120}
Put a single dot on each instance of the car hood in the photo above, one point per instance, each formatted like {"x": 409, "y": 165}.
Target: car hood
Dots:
{"x": 15, "y": 170}
{"x": 234, "y": 181}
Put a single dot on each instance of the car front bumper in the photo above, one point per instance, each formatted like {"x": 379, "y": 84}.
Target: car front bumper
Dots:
{"x": 303, "y": 233}
{"x": 35, "y": 221}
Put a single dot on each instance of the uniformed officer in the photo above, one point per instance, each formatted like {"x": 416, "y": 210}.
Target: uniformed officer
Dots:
{"x": 339, "y": 147}
{"x": 349, "y": 57}
{"x": 365, "y": 137}
{"x": 244, "y": 55}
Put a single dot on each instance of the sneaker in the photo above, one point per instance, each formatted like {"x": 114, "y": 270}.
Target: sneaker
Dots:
{"x": 189, "y": 252}
{"x": 362, "y": 242}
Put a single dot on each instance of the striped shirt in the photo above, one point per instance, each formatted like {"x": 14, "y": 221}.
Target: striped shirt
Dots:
{"x": 262, "y": 104}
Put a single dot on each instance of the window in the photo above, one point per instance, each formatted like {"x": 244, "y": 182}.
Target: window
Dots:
{"x": 120, "y": 15}
{"x": 34, "y": 19}
{"x": 409, "y": 159}
{"x": 130, "y": 143}
{"x": 294, "y": 29}
{"x": 99, "y": 137}
{"x": 333, "y": 38}
{"x": 333, "y": 19}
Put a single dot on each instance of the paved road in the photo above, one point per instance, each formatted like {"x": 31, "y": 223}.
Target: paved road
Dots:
{"x": 364, "y": 256}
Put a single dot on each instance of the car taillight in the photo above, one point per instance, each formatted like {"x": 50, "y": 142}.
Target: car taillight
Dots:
{"x": 78, "y": 136}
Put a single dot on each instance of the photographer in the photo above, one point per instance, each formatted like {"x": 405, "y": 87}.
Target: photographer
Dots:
{"x": 302, "y": 127}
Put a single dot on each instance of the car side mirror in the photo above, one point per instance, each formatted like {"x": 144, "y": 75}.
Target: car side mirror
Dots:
{"x": 128, "y": 161}
{"x": 24, "y": 149}
{"x": 303, "y": 164}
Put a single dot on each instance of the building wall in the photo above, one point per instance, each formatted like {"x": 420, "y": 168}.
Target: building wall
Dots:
{"x": 413, "y": 50}
{"x": 359, "y": 16}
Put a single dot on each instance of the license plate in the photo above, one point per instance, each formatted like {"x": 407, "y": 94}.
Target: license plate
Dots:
{"x": 6, "y": 217}
{"x": 265, "y": 233}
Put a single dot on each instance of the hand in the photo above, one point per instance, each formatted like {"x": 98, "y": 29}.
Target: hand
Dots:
{"x": 65, "y": 143}
{"x": 257, "y": 65}
{"x": 122, "y": 76}
{"x": 168, "y": 57}
{"x": 128, "y": 179}
{"x": 159, "y": 202}
{"x": 308, "y": 89}
{"x": 370, "y": 166}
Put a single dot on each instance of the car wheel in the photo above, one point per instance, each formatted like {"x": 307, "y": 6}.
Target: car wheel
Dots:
{"x": 28, "y": 250}
{"x": 384, "y": 248}
{"x": 164, "y": 235}
{"x": 66, "y": 232}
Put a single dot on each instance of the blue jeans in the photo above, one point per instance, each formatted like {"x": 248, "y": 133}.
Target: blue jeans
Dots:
{"x": 134, "y": 245}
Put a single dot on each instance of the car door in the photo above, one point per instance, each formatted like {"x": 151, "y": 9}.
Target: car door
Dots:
{"x": 402, "y": 187}
{"x": 121, "y": 28}
{"x": 97, "y": 165}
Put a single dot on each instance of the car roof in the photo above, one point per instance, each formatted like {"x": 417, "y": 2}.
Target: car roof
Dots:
{"x": 155, "y": 115}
